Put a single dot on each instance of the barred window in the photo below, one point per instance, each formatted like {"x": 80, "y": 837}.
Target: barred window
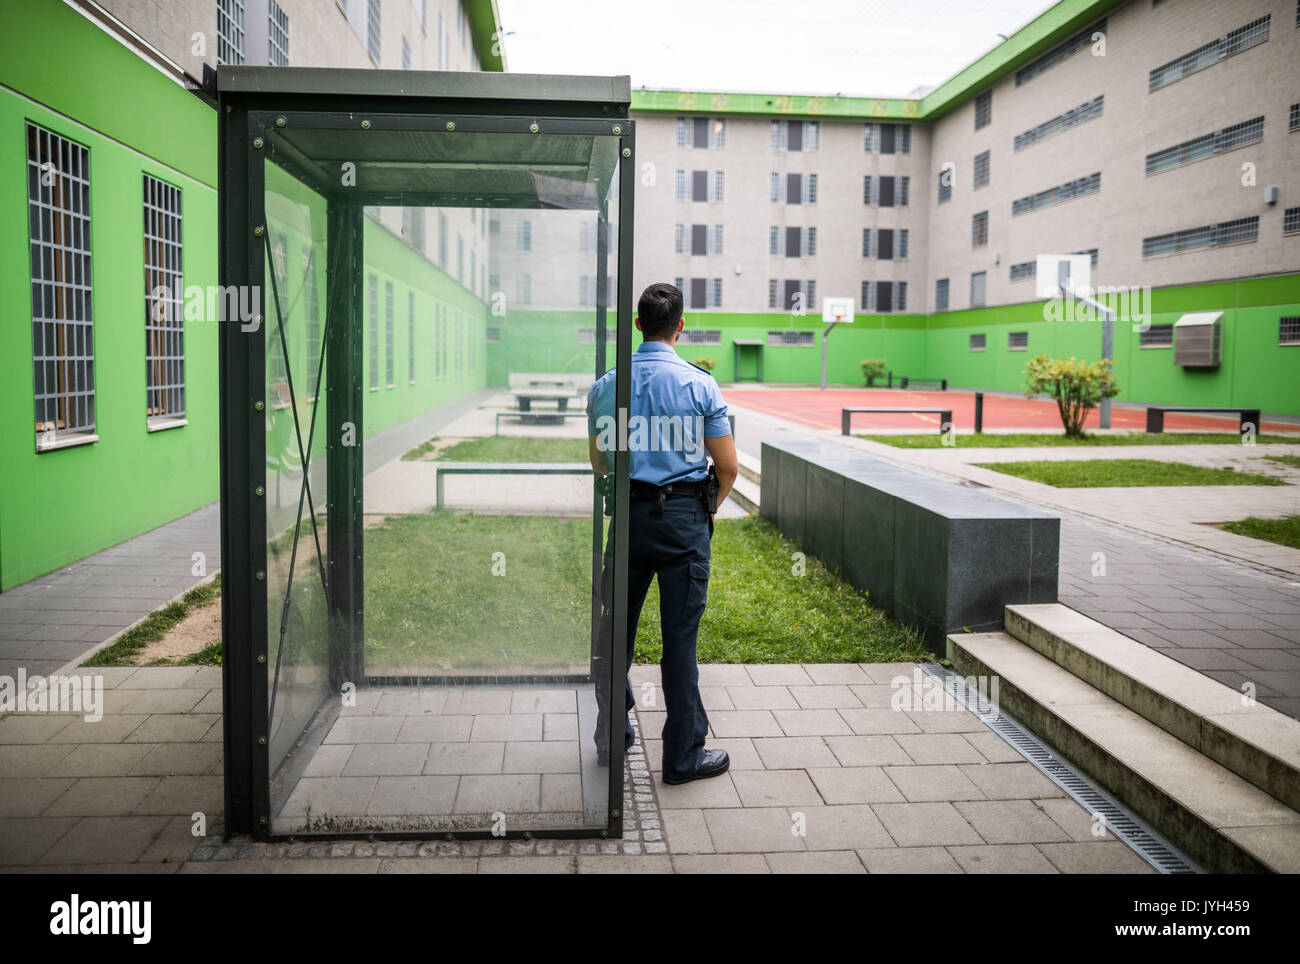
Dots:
{"x": 701, "y": 336}
{"x": 1055, "y": 195}
{"x": 277, "y": 29}
{"x": 1288, "y": 330}
{"x": 886, "y": 191}
{"x": 524, "y": 289}
{"x": 887, "y": 138}
{"x": 984, "y": 109}
{"x": 1156, "y": 336}
{"x": 978, "y": 289}
{"x": 311, "y": 304}
{"x": 58, "y": 205}
{"x": 1072, "y": 117}
{"x": 981, "y": 165}
{"x": 1291, "y": 221}
{"x": 794, "y": 135}
{"x": 1239, "y": 231}
{"x": 524, "y": 235}
{"x": 882, "y": 297}
{"x": 1234, "y": 42}
{"x": 1017, "y": 340}
{"x": 410, "y": 337}
{"x": 163, "y": 291}
{"x": 977, "y": 342}
{"x": 230, "y": 31}
{"x": 1227, "y": 139}
{"x": 492, "y": 335}
{"x": 792, "y": 188}
{"x": 413, "y": 226}
{"x": 945, "y": 186}
{"x": 372, "y": 31}
{"x": 901, "y": 249}
{"x": 789, "y": 337}
{"x": 715, "y": 292}
{"x": 1295, "y": 108}
{"x": 1059, "y": 53}
{"x": 979, "y": 229}
{"x": 1092, "y": 255}
{"x": 1024, "y": 271}
{"x": 373, "y": 368}
{"x": 389, "y": 377}
{"x": 941, "y": 294}
{"x": 701, "y": 132}
{"x": 790, "y": 294}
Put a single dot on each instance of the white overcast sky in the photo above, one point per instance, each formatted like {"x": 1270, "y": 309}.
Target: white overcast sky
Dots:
{"x": 882, "y": 48}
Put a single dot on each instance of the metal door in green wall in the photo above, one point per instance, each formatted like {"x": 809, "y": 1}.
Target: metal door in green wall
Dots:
{"x": 749, "y": 360}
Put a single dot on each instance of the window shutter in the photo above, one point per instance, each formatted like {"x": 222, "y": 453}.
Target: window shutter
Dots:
{"x": 810, "y": 242}
{"x": 811, "y": 135}
{"x": 900, "y": 299}
{"x": 778, "y": 139}
{"x": 680, "y": 184}
{"x": 683, "y": 133}
{"x": 778, "y": 184}
{"x": 866, "y": 242}
{"x": 810, "y": 189}
{"x": 866, "y": 189}
{"x": 716, "y": 194}
{"x": 772, "y": 240}
{"x": 679, "y": 242}
{"x": 902, "y": 243}
{"x": 904, "y": 185}
{"x": 715, "y": 240}
{"x": 864, "y": 302}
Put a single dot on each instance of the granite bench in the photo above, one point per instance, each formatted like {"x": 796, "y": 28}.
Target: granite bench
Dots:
{"x": 937, "y": 555}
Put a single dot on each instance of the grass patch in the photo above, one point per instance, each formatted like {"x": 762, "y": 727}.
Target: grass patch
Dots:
{"x": 1025, "y": 439}
{"x": 760, "y": 612}
{"x": 154, "y": 627}
{"x": 209, "y": 655}
{"x": 1098, "y": 473}
{"x": 421, "y": 450}
{"x": 1291, "y": 460}
{"x": 500, "y": 448}
{"x": 1284, "y": 531}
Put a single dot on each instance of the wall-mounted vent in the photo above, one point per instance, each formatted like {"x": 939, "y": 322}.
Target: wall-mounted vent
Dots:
{"x": 1198, "y": 339}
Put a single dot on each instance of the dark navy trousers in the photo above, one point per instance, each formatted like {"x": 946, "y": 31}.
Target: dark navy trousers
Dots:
{"x": 675, "y": 547}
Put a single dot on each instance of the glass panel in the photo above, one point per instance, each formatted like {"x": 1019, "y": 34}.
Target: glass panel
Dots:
{"x": 459, "y": 691}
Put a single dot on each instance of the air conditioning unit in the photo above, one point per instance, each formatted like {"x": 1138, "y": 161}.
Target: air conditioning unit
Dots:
{"x": 1198, "y": 340}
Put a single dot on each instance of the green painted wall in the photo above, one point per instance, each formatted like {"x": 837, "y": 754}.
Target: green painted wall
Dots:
{"x": 60, "y": 505}
{"x": 1256, "y": 371}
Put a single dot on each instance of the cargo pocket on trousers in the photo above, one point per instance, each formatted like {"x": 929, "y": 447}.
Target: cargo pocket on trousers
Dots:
{"x": 699, "y": 588}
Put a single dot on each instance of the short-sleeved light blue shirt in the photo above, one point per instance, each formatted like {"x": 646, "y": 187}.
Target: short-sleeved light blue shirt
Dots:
{"x": 675, "y": 406}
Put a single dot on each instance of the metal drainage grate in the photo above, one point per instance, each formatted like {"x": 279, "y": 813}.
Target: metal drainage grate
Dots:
{"x": 1119, "y": 820}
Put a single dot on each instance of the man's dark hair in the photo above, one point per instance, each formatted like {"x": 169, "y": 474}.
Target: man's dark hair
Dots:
{"x": 659, "y": 309}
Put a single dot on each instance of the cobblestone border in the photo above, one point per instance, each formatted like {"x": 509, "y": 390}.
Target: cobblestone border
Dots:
{"x": 643, "y": 833}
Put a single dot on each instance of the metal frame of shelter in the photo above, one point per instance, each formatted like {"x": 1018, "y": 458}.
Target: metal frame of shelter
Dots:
{"x": 259, "y": 108}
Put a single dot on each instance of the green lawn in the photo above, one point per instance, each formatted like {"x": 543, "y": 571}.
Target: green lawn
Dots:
{"x": 124, "y": 649}
{"x": 1094, "y": 473}
{"x": 1284, "y": 531}
{"x": 498, "y": 448}
{"x": 1291, "y": 460}
{"x": 432, "y": 603}
{"x": 760, "y": 612}
{"x": 933, "y": 440}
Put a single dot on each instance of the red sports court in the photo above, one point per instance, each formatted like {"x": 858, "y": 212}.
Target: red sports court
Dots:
{"x": 816, "y": 408}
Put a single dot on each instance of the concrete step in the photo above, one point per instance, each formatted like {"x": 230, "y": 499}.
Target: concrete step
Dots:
{"x": 750, "y": 466}
{"x": 1223, "y": 822}
{"x": 745, "y": 494}
{"x": 1254, "y": 741}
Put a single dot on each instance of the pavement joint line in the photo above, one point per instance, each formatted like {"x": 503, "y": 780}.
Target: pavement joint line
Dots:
{"x": 1120, "y": 822}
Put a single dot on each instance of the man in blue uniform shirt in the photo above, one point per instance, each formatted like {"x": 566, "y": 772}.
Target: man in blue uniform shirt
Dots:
{"x": 677, "y": 419}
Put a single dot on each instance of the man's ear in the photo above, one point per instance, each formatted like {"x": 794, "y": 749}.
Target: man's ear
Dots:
{"x": 637, "y": 322}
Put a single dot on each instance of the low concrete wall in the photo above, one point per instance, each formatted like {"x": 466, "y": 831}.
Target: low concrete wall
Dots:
{"x": 937, "y": 555}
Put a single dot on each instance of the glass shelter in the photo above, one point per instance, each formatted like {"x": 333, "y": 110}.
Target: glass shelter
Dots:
{"x": 423, "y": 578}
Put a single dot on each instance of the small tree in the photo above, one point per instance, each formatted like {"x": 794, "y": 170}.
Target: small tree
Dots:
{"x": 1077, "y": 386}
{"x": 873, "y": 368}
{"x": 708, "y": 364}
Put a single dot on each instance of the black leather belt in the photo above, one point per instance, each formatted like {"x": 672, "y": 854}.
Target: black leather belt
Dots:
{"x": 656, "y": 494}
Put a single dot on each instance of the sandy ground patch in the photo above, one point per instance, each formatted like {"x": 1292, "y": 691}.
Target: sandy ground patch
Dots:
{"x": 202, "y": 627}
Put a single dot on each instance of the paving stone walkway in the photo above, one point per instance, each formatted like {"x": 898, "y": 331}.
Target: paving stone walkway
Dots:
{"x": 825, "y": 777}
{"x": 1133, "y": 560}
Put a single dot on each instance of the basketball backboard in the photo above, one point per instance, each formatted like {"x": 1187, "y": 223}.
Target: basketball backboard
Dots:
{"x": 1063, "y": 272}
{"x": 837, "y": 310}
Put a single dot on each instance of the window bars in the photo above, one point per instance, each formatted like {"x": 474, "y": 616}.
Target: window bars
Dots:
{"x": 164, "y": 290}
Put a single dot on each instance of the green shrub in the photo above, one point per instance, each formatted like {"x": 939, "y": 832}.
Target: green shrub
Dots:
{"x": 873, "y": 368}
{"x": 1077, "y": 387}
{"x": 708, "y": 364}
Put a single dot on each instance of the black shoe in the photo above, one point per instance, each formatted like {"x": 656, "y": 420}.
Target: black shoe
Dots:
{"x": 715, "y": 762}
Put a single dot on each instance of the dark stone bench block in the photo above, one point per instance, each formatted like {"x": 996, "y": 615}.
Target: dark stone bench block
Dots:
{"x": 938, "y": 555}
